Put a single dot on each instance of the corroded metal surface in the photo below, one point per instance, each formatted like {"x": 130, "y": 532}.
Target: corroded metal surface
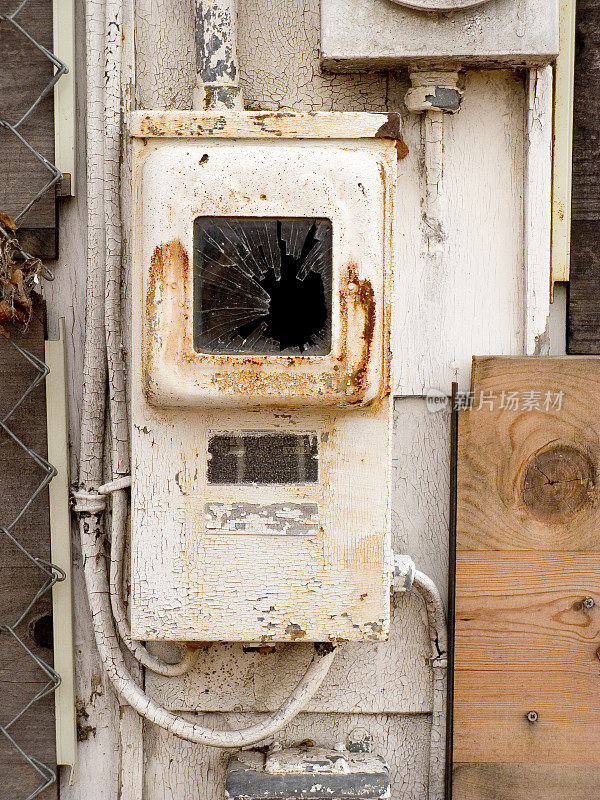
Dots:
{"x": 310, "y": 773}
{"x": 184, "y": 181}
{"x": 221, "y": 550}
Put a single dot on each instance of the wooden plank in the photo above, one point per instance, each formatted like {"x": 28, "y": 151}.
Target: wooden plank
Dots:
{"x": 586, "y": 113}
{"x": 528, "y": 581}
{"x": 526, "y": 641}
{"x": 537, "y": 599}
{"x": 583, "y": 314}
{"x": 539, "y": 781}
{"x": 25, "y": 73}
{"x": 504, "y": 502}
{"x": 538, "y": 208}
{"x": 562, "y": 169}
{"x": 20, "y": 677}
{"x": 583, "y": 331}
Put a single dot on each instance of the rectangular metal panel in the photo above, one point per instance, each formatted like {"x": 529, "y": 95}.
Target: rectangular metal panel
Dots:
{"x": 383, "y": 33}
{"x": 238, "y": 533}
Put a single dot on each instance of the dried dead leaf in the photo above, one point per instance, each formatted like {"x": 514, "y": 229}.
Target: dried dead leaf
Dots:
{"x": 19, "y": 276}
{"x": 8, "y": 222}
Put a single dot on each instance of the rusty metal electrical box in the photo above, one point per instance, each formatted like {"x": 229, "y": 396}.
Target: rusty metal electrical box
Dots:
{"x": 382, "y": 34}
{"x": 261, "y": 407}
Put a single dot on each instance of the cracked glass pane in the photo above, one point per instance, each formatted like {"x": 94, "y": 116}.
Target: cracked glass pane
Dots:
{"x": 262, "y": 285}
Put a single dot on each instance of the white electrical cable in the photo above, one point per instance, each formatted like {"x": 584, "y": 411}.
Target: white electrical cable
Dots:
{"x": 119, "y": 438}
{"x": 102, "y": 335}
{"x": 438, "y": 660}
{"x": 405, "y": 579}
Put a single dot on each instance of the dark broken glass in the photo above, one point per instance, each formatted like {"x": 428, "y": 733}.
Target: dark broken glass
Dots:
{"x": 262, "y": 285}
{"x": 263, "y": 458}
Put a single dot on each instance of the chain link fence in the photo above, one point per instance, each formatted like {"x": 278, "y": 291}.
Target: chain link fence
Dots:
{"x": 15, "y": 126}
{"x": 49, "y": 574}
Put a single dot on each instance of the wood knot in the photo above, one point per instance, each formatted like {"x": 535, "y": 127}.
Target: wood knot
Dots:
{"x": 558, "y": 483}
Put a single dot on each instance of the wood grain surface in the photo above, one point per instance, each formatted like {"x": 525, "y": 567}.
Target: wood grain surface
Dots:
{"x": 505, "y": 502}
{"x": 539, "y": 781}
{"x": 527, "y": 677}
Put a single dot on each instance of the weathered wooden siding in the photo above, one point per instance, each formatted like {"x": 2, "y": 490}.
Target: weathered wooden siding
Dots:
{"x": 481, "y": 309}
{"x": 20, "y": 677}
{"x": 25, "y": 74}
{"x": 584, "y": 293}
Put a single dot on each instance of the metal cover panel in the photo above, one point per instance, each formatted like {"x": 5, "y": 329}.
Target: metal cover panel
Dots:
{"x": 293, "y": 551}
{"x": 179, "y": 182}
{"x": 383, "y": 33}
{"x": 307, "y": 773}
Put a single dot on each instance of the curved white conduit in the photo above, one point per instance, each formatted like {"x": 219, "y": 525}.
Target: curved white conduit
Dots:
{"x": 438, "y": 660}
{"x": 114, "y": 346}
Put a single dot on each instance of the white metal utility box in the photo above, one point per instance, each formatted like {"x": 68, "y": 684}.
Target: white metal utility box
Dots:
{"x": 261, "y": 409}
{"x": 381, "y": 34}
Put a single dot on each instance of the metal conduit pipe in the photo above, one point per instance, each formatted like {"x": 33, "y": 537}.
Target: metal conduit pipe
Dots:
{"x": 109, "y": 181}
{"x": 217, "y": 73}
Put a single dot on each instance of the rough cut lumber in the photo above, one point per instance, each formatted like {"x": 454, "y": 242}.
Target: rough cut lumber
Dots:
{"x": 510, "y": 781}
{"x": 25, "y": 73}
{"x": 528, "y": 582}
{"x": 583, "y": 334}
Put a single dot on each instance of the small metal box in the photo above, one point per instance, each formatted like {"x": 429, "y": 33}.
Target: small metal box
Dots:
{"x": 261, "y": 408}
{"x": 381, "y": 34}
{"x": 307, "y": 773}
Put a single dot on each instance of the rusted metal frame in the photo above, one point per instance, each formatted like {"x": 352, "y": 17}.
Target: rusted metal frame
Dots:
{"x": 261, "y": 125}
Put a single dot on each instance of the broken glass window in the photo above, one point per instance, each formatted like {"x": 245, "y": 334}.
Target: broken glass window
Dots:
{"x": 262, "y": 285}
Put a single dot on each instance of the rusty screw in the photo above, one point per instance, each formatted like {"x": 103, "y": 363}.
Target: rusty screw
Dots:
{"x": 589, "y": 602}
{"x": 532, "y": 716}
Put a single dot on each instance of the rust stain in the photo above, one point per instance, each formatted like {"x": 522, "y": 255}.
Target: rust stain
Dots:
{"x": 359, "y": 293}
{"x": 401, "y": 148}
{"x": 168, "y": 295}
{"x": 392, "y": 129}
{"x": 169, "y": 265}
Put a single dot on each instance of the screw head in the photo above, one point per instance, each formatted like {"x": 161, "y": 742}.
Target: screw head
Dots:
{"x": 589, "y": 602}
{"x": 532, "y": 716}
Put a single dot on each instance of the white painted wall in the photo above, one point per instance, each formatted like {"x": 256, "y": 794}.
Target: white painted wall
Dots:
{"x": 475, "y": 305}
